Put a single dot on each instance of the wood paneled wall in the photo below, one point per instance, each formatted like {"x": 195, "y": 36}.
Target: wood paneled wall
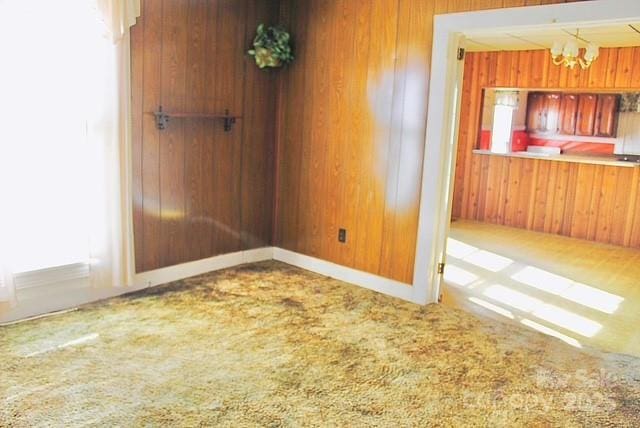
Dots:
{"x": 198, "y": 191}
{"x": 352, "y": 119}
{"x": 594, "y": 202}
{"x": 599, "y": 203}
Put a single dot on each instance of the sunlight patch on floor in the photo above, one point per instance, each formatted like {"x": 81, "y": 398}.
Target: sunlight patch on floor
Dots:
{"x": 458, "y": 276}
{"x": 488, "y": 260}
{"x": 492, "y": 307}
{"x": 593, "y": 298}
{"x": 564, "y": 287}
{"x": 459, "y": 249}
{"x": 568, "y": 320}
{"x": 513, "y": 298}
{"x": 493, "y": 282}
{"x": 542, "y": 280}
{"x": 551, "y": 332}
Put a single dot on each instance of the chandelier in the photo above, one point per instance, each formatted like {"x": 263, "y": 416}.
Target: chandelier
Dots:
{"x": 568, "y": 53}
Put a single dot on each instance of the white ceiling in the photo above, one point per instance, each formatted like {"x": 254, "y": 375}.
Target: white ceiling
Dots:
{"x": 604, "y": 36}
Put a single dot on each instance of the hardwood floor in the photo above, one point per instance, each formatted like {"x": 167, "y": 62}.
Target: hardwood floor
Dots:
{"x": 585, "y": 293}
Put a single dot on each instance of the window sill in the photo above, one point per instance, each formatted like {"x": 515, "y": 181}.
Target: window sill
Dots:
{"x": 44, "y": 277}
{"x": 593, "y": 160}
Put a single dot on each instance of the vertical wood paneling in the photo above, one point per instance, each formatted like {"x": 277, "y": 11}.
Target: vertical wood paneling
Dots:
{"x": 399, "y": 89}
{"x": 342, "y": 17}
{"x": 612, "y": 67}
{"x": 208, "y": 162}
{"x": 137, "y": 81}
{"x": 375, "y": 104}
{"x": 537, "y": 212}
{"x": 360, "y": 126}
{"x": 291, "y": 140}
{"x": 634, "y": 81}
{"x": 201, "y": 191}
{"x": 172, "y": 144}
{"x": 349, "y": 132}
{"x": 579, "y": 200}
{"x": 300, "y": 159}
{"x": 315, "y": 213}
{"x": 194, "y": 130}
{"x": 471, "y": 126}
{"x": 151, "y": 52}
{"x": 399, "y": 238}
{"x": 258, "y": 142}
{"x": 350, "y": 155}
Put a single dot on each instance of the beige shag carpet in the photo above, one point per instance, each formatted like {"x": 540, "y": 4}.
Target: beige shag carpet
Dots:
{"x": 272, "y": 345}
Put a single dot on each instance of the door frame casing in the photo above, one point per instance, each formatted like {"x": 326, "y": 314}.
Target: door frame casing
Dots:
{"x": 445, "y": 89}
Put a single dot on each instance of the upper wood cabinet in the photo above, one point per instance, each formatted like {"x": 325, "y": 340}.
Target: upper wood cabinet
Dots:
{"x": 568, "y": 113}
{"x": 542, "y": 112}
{"x": 552, "y": 103}
{"x": 607, "y": 115}
{"x": 586, "y": 120}
{"x": 535, "y": 112}
{"x": 591, "y": 115}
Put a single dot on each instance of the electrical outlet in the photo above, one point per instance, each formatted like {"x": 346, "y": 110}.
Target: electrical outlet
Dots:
{"x": 342, "y": 235}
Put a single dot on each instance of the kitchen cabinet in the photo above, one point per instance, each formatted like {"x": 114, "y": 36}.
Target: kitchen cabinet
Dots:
{"x": 607, "y": 115}
{"x": 568, "y": 114}
{"x": 586, "y": 118}
{"x": 589, "y": 115}
{"x": 542, "y": 112}
{"x": 535, "y": 112}
{"x": 552, "y": 103}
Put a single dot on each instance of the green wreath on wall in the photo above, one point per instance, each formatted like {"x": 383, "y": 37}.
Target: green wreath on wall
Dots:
{"x": 271, "y": 47}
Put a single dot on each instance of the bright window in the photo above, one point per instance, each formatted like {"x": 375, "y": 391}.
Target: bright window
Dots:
{"x": 51, "y": 52}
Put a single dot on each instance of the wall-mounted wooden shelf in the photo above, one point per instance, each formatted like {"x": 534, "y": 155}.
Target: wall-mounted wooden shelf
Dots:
{"x": 162, "y": 117}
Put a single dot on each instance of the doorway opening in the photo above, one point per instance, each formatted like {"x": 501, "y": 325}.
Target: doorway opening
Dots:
{"x": 536, "y": 170}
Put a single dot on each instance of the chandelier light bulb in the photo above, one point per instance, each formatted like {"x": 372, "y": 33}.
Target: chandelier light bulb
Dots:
{"x": 571, "y": 49}
{"x": 568, "y": 54}
{"x": 592, "y": 52}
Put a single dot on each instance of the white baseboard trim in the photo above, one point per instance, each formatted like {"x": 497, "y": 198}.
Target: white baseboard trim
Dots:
{"x": 71, "y": 294}
{"x": 353, "y": 276}
{"x": 198, "y": 267}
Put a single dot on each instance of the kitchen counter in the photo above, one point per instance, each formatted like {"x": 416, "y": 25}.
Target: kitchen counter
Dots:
{"x": 594, "y": 160}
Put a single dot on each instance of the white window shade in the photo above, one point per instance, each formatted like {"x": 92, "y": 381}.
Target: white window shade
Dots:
{"x": 508, "y": 99}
